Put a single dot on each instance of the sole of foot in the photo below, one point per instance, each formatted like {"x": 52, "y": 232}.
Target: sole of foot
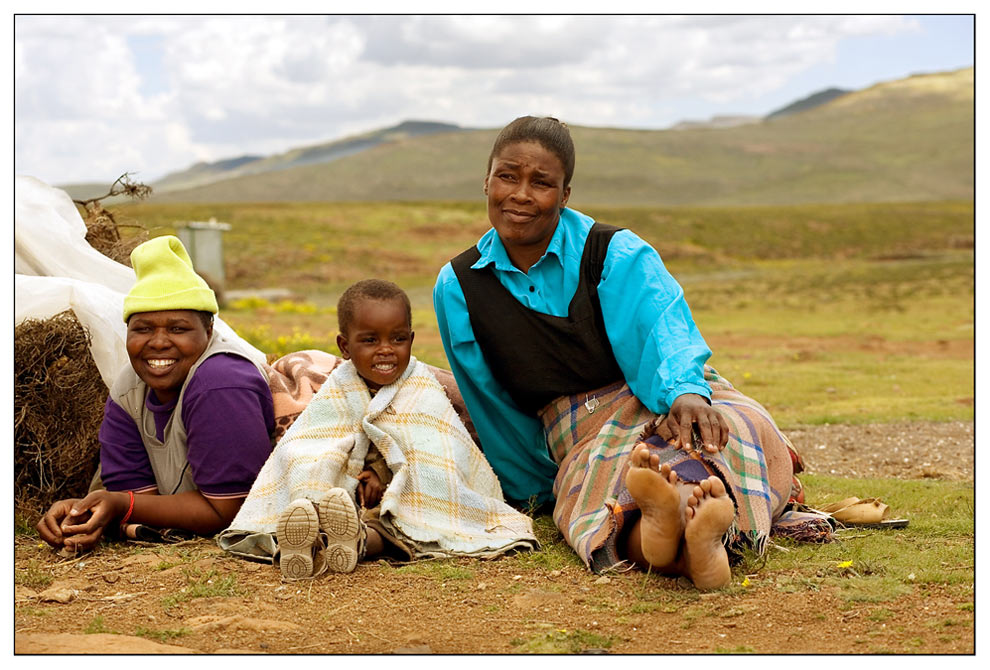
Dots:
{"x": 708, "y": 515}
{"x": 339, "y": 519}
{"x": 297, "y": 531}
{"x": 655, "y": 490}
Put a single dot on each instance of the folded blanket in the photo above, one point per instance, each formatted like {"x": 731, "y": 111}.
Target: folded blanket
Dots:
{"x": 444, "y": 498}
{"x": 294, "y": 379}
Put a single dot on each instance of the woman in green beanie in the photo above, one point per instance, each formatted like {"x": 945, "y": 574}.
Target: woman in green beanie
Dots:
{"x": 186, "y": 427}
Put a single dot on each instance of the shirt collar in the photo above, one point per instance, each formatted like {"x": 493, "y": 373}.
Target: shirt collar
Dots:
{"x": 493, "y": 251}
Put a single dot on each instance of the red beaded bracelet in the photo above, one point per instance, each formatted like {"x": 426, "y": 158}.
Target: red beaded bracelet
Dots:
{"x": 130, "y": 509}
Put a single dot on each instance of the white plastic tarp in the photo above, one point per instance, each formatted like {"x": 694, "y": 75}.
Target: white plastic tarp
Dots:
{"x": 56, "y": 269}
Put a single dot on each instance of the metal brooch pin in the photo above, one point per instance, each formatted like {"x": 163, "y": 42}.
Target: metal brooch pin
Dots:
{"x": 591, "y": 404}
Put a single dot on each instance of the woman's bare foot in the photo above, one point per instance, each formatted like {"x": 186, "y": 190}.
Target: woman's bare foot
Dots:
{"x": 708, "y": 515}
{"x": 655, "y": 490}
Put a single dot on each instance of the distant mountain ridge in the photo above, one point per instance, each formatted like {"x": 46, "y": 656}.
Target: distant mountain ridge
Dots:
{"x": 205, "y": 173}
{"x": 812, "y": 101}
{"x": 909, "y": 139}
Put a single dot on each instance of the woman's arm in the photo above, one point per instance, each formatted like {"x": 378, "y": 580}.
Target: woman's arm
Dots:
{"x": 513, "y": 442}
{"x": 655, "y": 340}
{"x": 88, "y": 519}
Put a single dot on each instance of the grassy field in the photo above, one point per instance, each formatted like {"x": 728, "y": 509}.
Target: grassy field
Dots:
{"x": 831, "y": 313}
{"x": 908, "y": 591}
{"x": 839, "y": 314}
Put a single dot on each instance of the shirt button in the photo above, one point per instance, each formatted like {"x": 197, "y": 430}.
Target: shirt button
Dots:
{"x": 532, "y": 288}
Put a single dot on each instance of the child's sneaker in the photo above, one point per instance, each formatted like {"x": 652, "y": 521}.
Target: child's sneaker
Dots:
{"x": 298, "y": 533}
{"x": 345, "y": 532}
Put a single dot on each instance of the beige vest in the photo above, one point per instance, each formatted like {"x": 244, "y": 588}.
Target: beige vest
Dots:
{"x": 168, "y": 456}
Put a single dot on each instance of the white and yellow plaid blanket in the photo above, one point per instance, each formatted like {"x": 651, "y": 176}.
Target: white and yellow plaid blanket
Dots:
{"x": 444, "y": 497}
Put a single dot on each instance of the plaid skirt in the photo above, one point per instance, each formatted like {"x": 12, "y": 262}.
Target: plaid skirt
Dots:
{"x": 590, "y": 436}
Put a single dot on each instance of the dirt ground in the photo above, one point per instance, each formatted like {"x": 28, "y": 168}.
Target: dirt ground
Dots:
{"x": 192, "y": 598}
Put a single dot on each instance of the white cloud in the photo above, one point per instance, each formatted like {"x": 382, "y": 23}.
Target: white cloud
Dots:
{"x": 230, "y": 85}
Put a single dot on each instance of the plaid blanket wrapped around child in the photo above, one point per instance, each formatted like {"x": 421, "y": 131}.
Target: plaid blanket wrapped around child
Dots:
{"x": 444, "y": 498}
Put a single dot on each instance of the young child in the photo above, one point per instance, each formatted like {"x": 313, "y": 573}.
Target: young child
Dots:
{"x": 381, "y": 434}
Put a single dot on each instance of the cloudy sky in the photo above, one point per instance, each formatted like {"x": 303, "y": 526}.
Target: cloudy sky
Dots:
{"x": 97, "y": 96}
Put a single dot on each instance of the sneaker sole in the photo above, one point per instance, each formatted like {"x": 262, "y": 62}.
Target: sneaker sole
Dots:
{"x": 338, "y": 518}
{"x": 341, "y": 558}
{"x": 296, "y": 533}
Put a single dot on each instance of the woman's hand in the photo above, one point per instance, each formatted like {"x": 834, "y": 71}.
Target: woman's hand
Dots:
{"x": 689, "y": 409}
{"x": 369, "y": 488}
{"x": 50, "y": 526}
{"x": 84, "y": 525}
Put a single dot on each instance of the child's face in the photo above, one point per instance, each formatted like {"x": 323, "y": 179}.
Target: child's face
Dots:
{"x": 379, "y": 341}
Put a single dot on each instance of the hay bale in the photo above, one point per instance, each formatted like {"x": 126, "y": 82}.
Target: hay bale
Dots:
{"x": 103, "y": 234}
{"x": 58, "y": 407}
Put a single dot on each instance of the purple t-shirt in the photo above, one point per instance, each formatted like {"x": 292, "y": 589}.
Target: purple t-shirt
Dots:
{"x": 229, "y": 417}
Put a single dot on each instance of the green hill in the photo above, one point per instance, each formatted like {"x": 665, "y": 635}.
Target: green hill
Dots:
{"x": 906, "y": 140}
{"x": 812, "y": 101}
{"x": 206, "y": 173}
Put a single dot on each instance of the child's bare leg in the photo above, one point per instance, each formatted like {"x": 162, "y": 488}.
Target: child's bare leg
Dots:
{"x": 708, "y": 515}
{"x": 655, "y": 538}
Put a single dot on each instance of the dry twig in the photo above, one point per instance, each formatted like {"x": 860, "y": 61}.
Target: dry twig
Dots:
{"x": 103, "y": 231}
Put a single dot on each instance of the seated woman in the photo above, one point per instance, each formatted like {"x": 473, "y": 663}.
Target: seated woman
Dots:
{"x": 186, "y": 427}
{"x": 189, "y": 424}
{"x": 585, "y": 376}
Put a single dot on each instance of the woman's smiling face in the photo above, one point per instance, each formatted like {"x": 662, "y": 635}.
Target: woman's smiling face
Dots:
{"x": 163, "y": 347}
{"x": 526, "y": 192}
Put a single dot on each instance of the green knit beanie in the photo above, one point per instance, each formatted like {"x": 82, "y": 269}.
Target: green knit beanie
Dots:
{"x": 166, "y": 280}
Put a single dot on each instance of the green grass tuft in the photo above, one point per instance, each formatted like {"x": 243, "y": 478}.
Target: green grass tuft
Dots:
{"x": 554, "y": 553}
{"x": 563, "y": 642}
{"x": 445, "y": 570}
{"x": 23, "y": 527}
{"x": 97, "y": 625}
{"x": 740, "y": 649}
{"x": 164, "y": 635}
{"x": 33, "y": 576}
{"x": 203, "y": 585}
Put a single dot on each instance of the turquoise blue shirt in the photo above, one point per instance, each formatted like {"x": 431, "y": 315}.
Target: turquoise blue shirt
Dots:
{"x": 647, "y": 321}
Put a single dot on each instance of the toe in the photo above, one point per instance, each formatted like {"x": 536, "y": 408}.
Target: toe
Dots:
{"x": 640, "y": 456}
